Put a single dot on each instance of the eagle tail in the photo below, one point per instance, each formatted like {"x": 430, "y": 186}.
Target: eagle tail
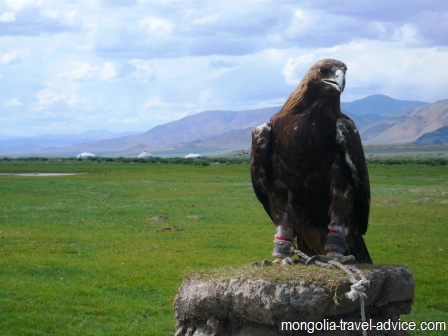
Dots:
{"x": 360, "y": 250}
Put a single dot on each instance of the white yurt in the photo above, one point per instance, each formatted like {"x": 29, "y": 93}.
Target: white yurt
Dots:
{"x": 144, "y": 155}
{"x": 85, "y": 155}
{"x": 193, "y": 156}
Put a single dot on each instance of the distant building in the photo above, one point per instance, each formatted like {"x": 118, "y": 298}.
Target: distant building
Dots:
{"x": 85, "y": 155}
{"x": 193, "y": 156}
{"x": 144, "y": 155}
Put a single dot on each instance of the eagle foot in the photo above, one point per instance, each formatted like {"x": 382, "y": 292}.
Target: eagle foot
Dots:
{"x": 350, "y": 259}
{"x": 283, "y": 249}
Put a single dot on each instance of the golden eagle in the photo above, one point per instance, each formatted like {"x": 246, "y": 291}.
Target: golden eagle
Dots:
{"x": 309, "y": 172}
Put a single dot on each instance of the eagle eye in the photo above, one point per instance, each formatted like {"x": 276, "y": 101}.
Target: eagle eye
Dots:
{"x": 324, "y": 71}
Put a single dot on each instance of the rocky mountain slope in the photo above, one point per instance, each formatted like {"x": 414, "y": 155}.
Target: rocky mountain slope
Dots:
{"x": 438, "y": 137}
{"x": 408, "y": 126}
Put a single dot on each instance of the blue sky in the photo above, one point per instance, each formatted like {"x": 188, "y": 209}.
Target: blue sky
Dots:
{"x": 67, "y": 66}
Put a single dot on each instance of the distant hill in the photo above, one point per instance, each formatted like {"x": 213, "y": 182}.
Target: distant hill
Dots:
{"x": 233, "y": 140}
{"x": 43, "y": 144}
{"x": 92, "y": 135}
{"x": 374, "y": 116}
{"x": 408, "y": 126}
{"x": 360, "y": 121}
{"x": 197, "y": 127}
{"x": 372, "y": 109}
{"x": 437, "y": 137}
{"x": 203, "y": 125}
{"x": 379, "y": 106}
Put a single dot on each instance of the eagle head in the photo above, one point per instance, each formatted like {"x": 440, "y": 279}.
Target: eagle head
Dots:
{"x": 327, "y": 75}
{"x": 325, "y": 80}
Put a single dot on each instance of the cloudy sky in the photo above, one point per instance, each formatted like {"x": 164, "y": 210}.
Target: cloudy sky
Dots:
{"x": 67, "y": 66}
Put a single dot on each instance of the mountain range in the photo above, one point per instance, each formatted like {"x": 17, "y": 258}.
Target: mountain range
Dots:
{"x": 43, "y": 144}
{"x": 380, "y": 119}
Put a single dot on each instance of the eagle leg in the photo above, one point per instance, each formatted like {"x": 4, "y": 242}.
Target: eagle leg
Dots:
{"x": 284, "y": 238}
{"x": 287, "y": 219}
{"x": 283, "y": 247}
{"x": 341, "y": 211}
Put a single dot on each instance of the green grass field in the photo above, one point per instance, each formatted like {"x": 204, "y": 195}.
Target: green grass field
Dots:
{"x": 79, "y": 255}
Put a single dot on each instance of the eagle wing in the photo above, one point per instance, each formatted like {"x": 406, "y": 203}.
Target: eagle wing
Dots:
{"x": 349, "y": 140}
{"x": 260, "y": 164}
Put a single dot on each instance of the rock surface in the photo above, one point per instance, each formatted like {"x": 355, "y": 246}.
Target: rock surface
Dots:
{"x": 256, "y": 300}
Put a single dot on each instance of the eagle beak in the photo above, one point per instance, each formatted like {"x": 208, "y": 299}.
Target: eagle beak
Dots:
{"x": 337, "y": 81}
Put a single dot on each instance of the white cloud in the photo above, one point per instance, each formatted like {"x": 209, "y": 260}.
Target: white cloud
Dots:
{"x": 36, "y": 17}
{"x": 59, "y": 93}
{"x": 407, "y": 35}
{"x": 205, "y": 97}
{"x": 156, "y": 26}
{"x": 152, "y": 102}
{"x": 66, "y": 17}
{"x": 86, "y": 71}
{"x": 295, "y": 68}
{"x": 132, "y": 71}
{"x": 49, "y": 96}
{"x": 109, "y": 71}
{"x": 300, "y": 23}
{"x": 9, "y": 57}
{"x": 206, "y": 20}
{"x": 143, "y": 72}
{"x": 7, "y": 17}
{"x": 17, "y": 5}
{"x": 13, "y": 102}
{"x": 224, "y": 63}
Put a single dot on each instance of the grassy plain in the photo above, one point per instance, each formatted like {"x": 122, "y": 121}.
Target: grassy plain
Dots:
{"x": 79, "y": 255}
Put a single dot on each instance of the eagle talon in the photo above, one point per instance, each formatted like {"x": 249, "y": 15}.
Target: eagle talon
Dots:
{"x": 350, "y": 259}
{"x": 313, "y": 259}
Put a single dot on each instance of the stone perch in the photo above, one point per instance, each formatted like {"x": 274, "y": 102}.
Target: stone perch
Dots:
{"x": 254, "y": 300}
